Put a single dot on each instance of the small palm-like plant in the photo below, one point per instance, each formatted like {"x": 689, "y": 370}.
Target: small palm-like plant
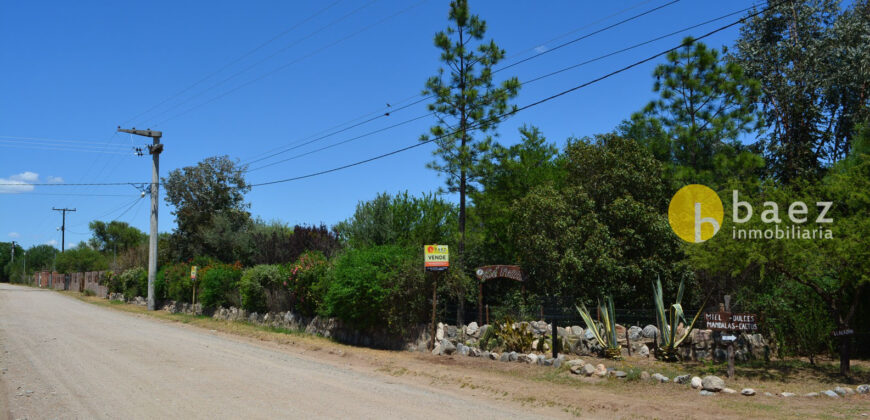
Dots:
{"x": 668, "y": 320}
{"x": 609, "y": 341}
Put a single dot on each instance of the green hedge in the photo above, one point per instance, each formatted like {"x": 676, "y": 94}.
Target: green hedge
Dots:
{"x": 219, "y": 285}
{"x": 307, "y": 282}
{"x": 261, "y": 287}
{"x": 378, "y": 286}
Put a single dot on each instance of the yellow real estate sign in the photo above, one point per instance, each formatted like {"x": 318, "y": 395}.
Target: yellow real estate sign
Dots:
{"x": 436, "y": 256}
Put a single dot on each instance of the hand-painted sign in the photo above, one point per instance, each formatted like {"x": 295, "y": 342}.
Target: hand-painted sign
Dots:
{"x": 724, "y": 321}
{"x": 490, "y": 272}
{"x": 436, "y": 257}
{"x": 729, "y": 338}
{"x": 843, "y": 333}
{"x": 193, "y": 272}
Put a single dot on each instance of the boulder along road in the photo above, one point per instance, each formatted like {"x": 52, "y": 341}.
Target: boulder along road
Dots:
{"x": 64, "y": 358}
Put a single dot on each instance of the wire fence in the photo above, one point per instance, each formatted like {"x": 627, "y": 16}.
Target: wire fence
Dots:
{"x": 448, "y": 313}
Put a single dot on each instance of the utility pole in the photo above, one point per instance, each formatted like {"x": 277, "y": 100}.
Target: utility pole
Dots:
{"x": 154, "y": 149}
{"x": 13, "y": 252}
{"x": 63, "y": 227}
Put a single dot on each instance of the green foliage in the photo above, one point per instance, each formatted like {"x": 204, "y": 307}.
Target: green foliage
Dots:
{"x": 173, "y": 282}
{"x": 6, "y": 257}
{"x": 507, "y": 337}
{"x": 608, "y": 340}
{"x": 668, "y": 320}
{"x": 261, "y": 288}
{"x": 812, "y": 63}
{"x": 209, "y": 207}
{"x": 603, "y": 231}
{"x": 704, "y": 106}
{"x": 307, "y": 282}
{"x": 219, "y": 285}
{"x": 379, "y": 286}
{"x": 80, "y": 259}
{"x": 508, "y": 175}
{"x": 399, "y": 220}
{"x": 115, "y": 236}
{"x": 133, "y": 282}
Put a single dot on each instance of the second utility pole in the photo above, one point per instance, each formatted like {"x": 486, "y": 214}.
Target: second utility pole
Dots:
{"x": 63, "y": 227}
{"x": 154, "y": 149}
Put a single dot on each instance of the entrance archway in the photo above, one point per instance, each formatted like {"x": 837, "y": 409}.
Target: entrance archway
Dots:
{"x": 490, "y": 272}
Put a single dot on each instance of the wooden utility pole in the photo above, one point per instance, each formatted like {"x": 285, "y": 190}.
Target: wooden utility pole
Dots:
{"x": 63, "y": 227}
{"x": 730, "y": 342}
{"x": 154, "y": 150}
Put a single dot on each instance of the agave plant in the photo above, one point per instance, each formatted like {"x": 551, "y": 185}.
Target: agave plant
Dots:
{"x": 667, "y": 321}
{"x": 609, "y": 341}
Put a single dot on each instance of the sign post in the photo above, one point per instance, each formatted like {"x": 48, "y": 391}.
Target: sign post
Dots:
{"x": 193, "y": 282}
{"x": 435, "y": 258}
{"x": 730, "y": 325}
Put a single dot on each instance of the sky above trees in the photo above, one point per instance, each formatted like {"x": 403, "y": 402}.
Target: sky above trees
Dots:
{"x": 78, "y": 71}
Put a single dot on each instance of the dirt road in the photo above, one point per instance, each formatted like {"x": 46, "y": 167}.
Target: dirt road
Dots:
{"x": 63, "y": 358}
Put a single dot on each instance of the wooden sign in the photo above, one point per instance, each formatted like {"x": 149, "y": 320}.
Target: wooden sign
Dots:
{"x": 490, "y": 272}
{"x": 842, "y": 333}
{"x": 725, "y": 321}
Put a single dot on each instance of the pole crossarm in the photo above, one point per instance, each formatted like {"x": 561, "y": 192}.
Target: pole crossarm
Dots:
{"x": 144, "y": 133}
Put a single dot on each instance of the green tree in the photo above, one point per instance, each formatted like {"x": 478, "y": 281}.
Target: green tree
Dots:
{"x": 6, "y": 257}
{"x": 212, "y": 191}
{"x": 604, "y": 232}
{"x": 704, "y": 105}
{"x": 399, "y": 220}
{"x": 812, "y": 63}
{"x": 81, "y": 258}
{"x": 40, "y": 257}
{"x": 505, "y": 177}
{"x": 468, "y": 102}
{"x": 115, "y": 236}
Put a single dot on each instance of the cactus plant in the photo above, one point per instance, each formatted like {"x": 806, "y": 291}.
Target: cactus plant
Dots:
{"x": 608, "y": 341}
{"x": 667, "y": 322}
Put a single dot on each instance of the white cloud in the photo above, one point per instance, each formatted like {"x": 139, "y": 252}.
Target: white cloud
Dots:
{"x": 22, "y": 183}
{"x": 54, "y": 179}
{"x": 540, "y": 49}
{"x": 14, "y": 235}
{"x": 52, "y": 242}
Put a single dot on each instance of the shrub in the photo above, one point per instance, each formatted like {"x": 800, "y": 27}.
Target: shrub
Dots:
{"x": 133, "y": 282}
{"x": 261, "y": 288}
{"x": 378, "y": 286}
{"x": 173, "y": 282}
{"x": 307, "y": 282}
{"x": 219, "y": 285}
{"x": 503, "y": 335}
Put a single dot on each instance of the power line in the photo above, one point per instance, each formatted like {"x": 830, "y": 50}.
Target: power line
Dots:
{"x": 50, "y": 140}
{"x": 57, "y": 148}
{"x": 263, "y": 60}
{"x": 527, "y": 82}
{"x": 533, "y": 104}
{"x": 424, "y": 98}
{"x": 391, "y": 109}
{"x": 238, "y": 59}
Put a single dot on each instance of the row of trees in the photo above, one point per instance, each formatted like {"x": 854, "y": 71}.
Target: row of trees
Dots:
{"x": 781, "y": 117}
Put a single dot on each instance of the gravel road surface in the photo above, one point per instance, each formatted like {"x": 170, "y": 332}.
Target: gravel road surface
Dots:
{"x": 64, "y": 358}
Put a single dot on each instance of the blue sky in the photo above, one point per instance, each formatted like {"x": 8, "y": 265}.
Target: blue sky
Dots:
{"x": 73, "y": 71}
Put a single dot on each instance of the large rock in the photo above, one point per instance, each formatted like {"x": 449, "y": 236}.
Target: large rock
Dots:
{"x": 620, "y": 332}
{"x": 712, "y": 383}
{"x": 451, "y": 331}
{"x": 788, "y": 394}
{"x": 577, "y": 369}
{"x": 830, "y": 393}
{"x": 576, "y": 362}
{"x": 447, "y": 347}
{"x": 650, "y": 331}
{"x": 600, "y": 370}
{"x": 635, "y": 333}
{"x": 533, "y": 358}
{"x": 588, "y": 369}
{"x": 863, "y": 389}
{"x": 696, "y": 382}
{"x": 472, "y": 329}
{"x": 843, "y": 391}
{"x": 644, "y": 351}
{"x": 493, "y": 356}
{"x": 505, "y": 357}
{"x": 707, "y": 393}
{"x": 513, "y": 356}
{"x": 439, "y": 333}
{"x": 658, "y": 377}
{"x": 728, "y": 391}
{"x": 576, "y": 330}
{"x": 683, "y": 379}
{"x": 747, "y": 392}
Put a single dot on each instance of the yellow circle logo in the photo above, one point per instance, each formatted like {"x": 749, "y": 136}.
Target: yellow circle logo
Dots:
{"x": 695, "y": 213}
